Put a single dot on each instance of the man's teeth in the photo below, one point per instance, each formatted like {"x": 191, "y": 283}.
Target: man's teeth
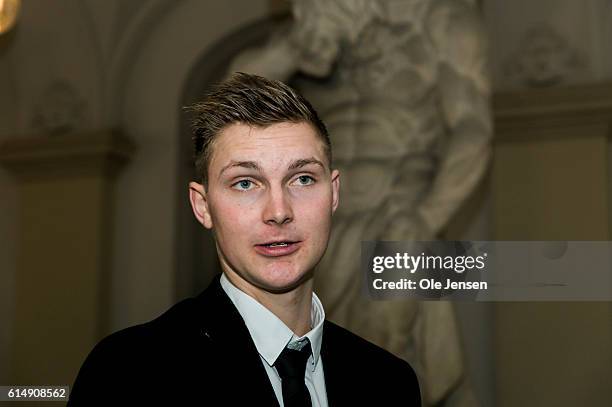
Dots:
{"x": 278, "y": 244}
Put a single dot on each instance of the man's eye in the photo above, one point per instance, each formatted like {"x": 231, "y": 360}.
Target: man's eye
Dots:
{"x": 305, "y": 180}
{"x": 243, "y": 185}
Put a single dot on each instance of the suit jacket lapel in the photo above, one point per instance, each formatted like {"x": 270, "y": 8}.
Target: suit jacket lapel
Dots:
{"x": 224, "y": 328}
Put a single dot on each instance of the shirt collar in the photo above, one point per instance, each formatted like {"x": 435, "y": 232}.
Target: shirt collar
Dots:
{"x": 269, "y": 333}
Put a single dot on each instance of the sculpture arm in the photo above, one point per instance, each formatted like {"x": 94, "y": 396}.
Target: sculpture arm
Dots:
{"x": 310, "y": 45}
{"x": 463, "y": 88}
{"x": 277, "y": 59}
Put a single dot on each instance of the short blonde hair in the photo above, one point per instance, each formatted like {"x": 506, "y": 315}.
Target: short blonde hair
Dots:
{"x": 251, "y": 100}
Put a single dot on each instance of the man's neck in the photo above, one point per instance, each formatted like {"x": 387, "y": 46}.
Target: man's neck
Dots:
{"x": 292, "y": 307}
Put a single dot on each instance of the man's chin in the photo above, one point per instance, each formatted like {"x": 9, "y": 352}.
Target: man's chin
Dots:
{"x": 283, "y": 283}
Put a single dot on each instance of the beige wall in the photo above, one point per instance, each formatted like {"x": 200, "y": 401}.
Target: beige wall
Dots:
{"x": 550, "y": 182}
{"x": 61, "y": 281}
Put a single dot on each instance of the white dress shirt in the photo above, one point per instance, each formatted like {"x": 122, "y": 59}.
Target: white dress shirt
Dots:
{"x": 271, "y": 336}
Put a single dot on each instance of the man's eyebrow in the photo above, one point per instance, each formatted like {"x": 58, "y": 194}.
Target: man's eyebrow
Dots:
{"x": 254, "y": 166}
{"x": 243, "y": 164}
{"x": 303, "y": 162}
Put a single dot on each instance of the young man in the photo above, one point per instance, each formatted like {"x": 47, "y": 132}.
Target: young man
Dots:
{"x": 257, "y": 335}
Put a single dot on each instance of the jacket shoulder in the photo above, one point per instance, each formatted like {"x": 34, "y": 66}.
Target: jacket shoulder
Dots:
{"x": 125, "y": 357}
{"x": 356, "y": 345}
{"x": 377, "y": 367}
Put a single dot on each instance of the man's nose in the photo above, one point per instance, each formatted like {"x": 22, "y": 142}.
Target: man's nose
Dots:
{"x": 278, "y": 207}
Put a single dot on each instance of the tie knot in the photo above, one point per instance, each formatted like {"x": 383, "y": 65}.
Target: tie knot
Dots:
{"x": 292, "y": 362}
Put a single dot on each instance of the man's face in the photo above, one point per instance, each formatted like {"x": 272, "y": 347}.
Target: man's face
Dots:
{"x": 269, "y": 201}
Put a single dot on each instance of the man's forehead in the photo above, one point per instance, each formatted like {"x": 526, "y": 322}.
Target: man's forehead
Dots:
{"x": 300, "y": 132}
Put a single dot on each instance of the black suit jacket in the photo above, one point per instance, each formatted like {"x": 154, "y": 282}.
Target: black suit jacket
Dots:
{"x": 200, "y": 352}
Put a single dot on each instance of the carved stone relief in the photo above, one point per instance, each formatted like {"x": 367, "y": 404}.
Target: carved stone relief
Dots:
{"x": 543, "y": 58}
{"x": 60, "y": 110}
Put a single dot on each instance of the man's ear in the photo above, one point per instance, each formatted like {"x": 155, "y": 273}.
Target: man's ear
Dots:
{"x": 199, "y": 204}
{"x": 335, "y": 180}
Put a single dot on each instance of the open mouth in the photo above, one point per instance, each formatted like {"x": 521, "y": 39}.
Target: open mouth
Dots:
{"x": 277, "y": 244}
{"x": 275, "y": 249}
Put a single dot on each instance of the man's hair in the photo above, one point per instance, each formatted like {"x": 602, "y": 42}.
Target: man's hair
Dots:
{"x": 254, "y": 101}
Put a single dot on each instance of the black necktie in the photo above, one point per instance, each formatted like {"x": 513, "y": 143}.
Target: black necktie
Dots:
{"x": 291, "y": 366}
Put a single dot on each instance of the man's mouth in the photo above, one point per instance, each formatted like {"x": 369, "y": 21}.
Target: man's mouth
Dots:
{"x": 275, "y": 244}
{"x": 277, "y": 248}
